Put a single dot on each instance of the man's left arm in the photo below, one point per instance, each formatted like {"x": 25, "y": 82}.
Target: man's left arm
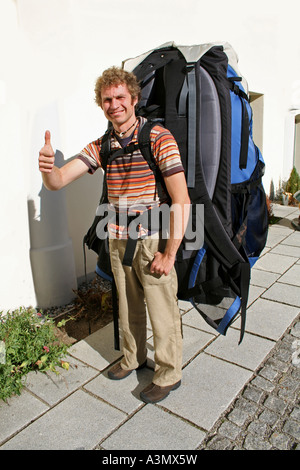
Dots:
{"x": 179, "y": 215}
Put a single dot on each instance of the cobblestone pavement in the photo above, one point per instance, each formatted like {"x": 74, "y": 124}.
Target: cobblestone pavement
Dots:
{"x": 266, "y": 414}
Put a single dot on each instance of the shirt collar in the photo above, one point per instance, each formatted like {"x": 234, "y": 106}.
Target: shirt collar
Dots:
{"x": 116, "y": 144}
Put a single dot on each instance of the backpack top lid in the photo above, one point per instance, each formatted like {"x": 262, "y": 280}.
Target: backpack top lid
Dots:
{"x": 191, "y": 54}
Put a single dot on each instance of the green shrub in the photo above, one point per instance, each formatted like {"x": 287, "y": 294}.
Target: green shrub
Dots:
{"x": 293, "y": 184}
{"x": 28, "y": 343}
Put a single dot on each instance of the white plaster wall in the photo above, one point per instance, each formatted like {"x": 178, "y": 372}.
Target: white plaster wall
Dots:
{"x": 53, "y": 51}
{"x": 16, "y": 286}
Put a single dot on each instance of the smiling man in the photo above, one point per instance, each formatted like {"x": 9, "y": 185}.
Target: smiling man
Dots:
{"x": 118, "y": 107}
{"x": 151, "y": 281}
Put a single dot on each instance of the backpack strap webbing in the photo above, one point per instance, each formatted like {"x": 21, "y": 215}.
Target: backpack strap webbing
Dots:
{"x": 244, "y": 286}
{"x": 244, "y": 136}
{"x": 145, "y": 148}
{"x": 105, "y": 149}
{"x": 104, "y": 156}
{"x": 187, "y": 107}
{"x": 245, "y": 130}
{"x": 115, "y": 314}
{"x": 192, "y": 109}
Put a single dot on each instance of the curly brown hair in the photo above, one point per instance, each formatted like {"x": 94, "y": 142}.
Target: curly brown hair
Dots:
{"x": 115, "y": 76}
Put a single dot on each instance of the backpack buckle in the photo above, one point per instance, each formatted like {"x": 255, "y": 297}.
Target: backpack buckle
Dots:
{"x": 189, "y": 66}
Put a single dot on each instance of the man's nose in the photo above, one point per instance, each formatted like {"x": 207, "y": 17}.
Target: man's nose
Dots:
{"x": 114, "y": 103}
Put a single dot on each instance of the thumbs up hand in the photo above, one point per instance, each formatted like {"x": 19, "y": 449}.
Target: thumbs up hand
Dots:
{"x": 46, "y": 155}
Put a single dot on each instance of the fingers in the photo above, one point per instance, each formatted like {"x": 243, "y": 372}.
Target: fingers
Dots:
{"x": 46, "y": 155}
{"x": 47, "y": 138}
{"x": 46, "y": 163}
{"x": 47, "y": 150}
{"x": 160, "y": 265}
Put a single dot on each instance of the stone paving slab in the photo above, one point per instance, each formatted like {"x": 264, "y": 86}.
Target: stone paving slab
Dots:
{"x": 249, "y": 354}
{"x": 97, "y": 350}
{"x": 18, "y": 412}
{"x": 275, "y": 263}
{"x": 154, "y": 429}
{"x": 254, "y": 293}
{"x": 52, "y": 388}
{"x": 263, "y": 278}
{"x": 194, "y": 340}
{"x": 292, "y": 276}
{"x": 208, "y": 387}
{"x": 293, "y": 239}
{"x": 79, "y": 422}
{"x": 269, "y": 319}
{"x": 125, "y": 395}
{"x": 277, "y": 234}
{"x": 287, "y": 250}
{"x": 194, "y": 319}
{"x": 284, "y": 211}
{"x": 283, "y": 293}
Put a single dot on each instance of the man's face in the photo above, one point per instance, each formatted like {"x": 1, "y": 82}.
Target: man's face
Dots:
{"x": 118, "y": 105}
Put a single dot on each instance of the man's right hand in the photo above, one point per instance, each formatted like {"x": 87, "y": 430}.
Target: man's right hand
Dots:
{"x": 55, "y": 178}
{"x": 46, "y": 155}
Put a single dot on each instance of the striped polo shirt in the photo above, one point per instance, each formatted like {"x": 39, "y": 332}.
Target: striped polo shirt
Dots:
{"x": 130, "y": 182}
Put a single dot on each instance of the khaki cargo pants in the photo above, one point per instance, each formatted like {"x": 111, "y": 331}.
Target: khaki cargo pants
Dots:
{"x": 138, "y": 288}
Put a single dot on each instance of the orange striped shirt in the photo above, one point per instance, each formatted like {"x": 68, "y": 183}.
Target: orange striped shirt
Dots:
{"x": 130, "y": 182}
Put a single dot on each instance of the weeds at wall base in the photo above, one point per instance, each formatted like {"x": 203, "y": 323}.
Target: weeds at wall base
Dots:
{"x": 28, "y": 343}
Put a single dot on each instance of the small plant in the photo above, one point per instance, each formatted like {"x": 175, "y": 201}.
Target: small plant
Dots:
{"x": 293, "y": 184}
{"x": 271, "y": 217}
{"x": 287, "y": 188}
{"x": 28, "y": 342}
{"x": 272, "y": 191}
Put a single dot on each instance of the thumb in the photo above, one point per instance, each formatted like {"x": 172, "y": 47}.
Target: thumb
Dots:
{"x": 47, "y": 138}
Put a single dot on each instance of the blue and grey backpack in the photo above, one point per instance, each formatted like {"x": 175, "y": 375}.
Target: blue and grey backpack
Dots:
{"x": 198, "y": 94}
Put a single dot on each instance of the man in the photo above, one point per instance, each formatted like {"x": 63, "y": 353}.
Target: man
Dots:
{"x": 151, "y": 280}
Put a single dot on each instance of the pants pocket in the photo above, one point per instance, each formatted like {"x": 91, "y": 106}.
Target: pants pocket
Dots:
{"x": 149, "y": 248}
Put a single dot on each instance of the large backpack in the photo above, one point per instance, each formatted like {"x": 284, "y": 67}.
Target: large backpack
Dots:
{"x": 198, "y": 94}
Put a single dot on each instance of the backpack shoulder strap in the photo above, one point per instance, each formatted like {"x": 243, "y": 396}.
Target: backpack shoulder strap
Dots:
{"x": 245, "y": 120}
{"x": 105, "y": 149}
{"x": 144, "y": 142}
{"x": 105, "y": 152}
